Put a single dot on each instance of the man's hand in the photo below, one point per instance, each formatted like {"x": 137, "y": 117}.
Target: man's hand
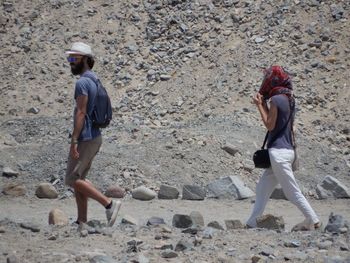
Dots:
{"x": 74, "y": 151}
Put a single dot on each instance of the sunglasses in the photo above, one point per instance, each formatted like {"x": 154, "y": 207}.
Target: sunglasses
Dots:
{"x": 72, "y": 59}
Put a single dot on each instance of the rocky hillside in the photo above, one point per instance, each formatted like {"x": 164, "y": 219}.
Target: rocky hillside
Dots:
{"x": 181, "y": 75}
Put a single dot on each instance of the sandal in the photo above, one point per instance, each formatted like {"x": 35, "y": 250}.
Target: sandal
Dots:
{"x": 305, "y": 226}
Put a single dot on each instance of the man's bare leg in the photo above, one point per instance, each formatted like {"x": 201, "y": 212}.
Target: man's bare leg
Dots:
{"x": 88, "y": 190}
{"x": 81, "y": 200}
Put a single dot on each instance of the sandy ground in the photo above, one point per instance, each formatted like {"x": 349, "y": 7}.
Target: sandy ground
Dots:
{"x": 243, "y": 244}
{"x": 37, "y": 210}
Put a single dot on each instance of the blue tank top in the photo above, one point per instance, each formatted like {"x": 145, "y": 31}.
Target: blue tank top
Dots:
{"x": 284, "y": 139}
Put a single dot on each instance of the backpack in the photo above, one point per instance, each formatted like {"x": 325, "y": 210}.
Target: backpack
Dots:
{"x": 101, "y": 114}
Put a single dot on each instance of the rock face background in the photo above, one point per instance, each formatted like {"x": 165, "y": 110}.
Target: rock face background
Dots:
{"x": 181, "y": 75}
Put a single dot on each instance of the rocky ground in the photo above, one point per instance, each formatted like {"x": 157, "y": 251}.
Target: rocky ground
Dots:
{"x": 181, "y": 75}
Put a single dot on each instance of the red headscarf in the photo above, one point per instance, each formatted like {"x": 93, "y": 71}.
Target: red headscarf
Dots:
{"x": 276, "y": 81}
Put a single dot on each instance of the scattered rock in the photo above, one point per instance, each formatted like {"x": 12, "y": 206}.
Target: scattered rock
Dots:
{"x": 278, "y": 194}
{"x": 102, "y": 259}
{"x": 233, "y": 224}
{"x": 193, "y": 192}
{"x": 115, "y": 191}
{"x": 331, "y": 187}
{"x": 129, "y": 220}
{"x": 183, "y": 245}
{"x": 229, "y": 187}
{"x": 12, "y": 259}
{"x": 169, "y": 254}
{"x": 216, "y": 225}
{"x": 8, "y": 172}
{"x": 143, "y": 193}
{"x": 46, "y": 190}
{"x": 270, "y": 222}
{"x": 154, "y": 221}
{"x": 57, "y": 217}
{"x": 30, "y": 226}
{"x": 197, "y": 218}
{"x": 182, "y": 221}
{"x": 168, "y": 192}
{"x": 230, "y": 149}
{"x": 336, "y": 223}
{"x": 14, "y": 190}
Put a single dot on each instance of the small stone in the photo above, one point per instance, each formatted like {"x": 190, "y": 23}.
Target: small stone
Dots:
{"x": 193, "y": 192}
{"x": 84, "y": 233}
{"x": 169, "y": 254}
{"x": 8, "y": 172}
{"x": 14, "y": 190}
{"x": 12, "y": 259}
{"x": 270, "y": 222}
{"x": 216, "y": 225}
{"x": 46, "y": 190}
{"x": 197, "y": 218}
{"x": 102, "y": 259}
{"x": 115, "y": 191}
{"x": 57, "y": 217}
{"x": 294, "y": 243}
{"x": 168, "y": 192}
{"x": 183, "y": 245}
{"x": 154, "y": 221}
{"x": 259, "y": 40}
{"x": 230, "y": 149}
{"x": 182, "y": 221}
{"x": 164, "y": 77}
{"x": 129, "y": 220}
{"x": 256, "y": 259}
{"x": 233, "y": 224}
{"x": 30, "y": 226}
{"x": 278, "y": 194}
{"x": 208, "y": 233}
{"x": 33, "y": 110}
{"x": 325, "y": 245}
{"x": 143, "y": 193}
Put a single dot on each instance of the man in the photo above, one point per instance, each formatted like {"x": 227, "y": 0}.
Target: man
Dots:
{"x": 86, "y": 140}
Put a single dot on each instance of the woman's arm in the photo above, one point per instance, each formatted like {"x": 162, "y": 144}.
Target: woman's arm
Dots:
{"x": 268, "y": 115}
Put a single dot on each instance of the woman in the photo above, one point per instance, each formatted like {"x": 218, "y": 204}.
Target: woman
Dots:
{"x": 278, "y": 119}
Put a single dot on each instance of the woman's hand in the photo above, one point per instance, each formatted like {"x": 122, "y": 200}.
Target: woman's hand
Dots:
{"x": 258, "y": 99}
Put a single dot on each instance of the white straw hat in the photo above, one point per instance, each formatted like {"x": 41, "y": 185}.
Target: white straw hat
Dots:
{"x": 80, "y": 48}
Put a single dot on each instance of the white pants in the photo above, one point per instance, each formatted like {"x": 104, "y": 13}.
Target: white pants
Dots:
{"x": 280, "y": 172}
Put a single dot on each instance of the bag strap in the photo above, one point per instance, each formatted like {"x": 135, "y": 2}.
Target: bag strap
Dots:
{"x": 95, "y": 80}
{"x": 281, "y": 130}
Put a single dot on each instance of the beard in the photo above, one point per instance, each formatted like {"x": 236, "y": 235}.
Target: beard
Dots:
{"x": 77, "y": 69}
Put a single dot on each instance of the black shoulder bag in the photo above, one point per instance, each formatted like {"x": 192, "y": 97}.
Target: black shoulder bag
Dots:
{"x": 261, "y": 157}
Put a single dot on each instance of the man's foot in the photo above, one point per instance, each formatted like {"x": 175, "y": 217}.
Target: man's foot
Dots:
{"x": 112, "y": 212}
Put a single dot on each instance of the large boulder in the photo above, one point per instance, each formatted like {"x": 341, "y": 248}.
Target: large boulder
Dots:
{"x": 229, "y": 187}
{"x": 332, "y": 188}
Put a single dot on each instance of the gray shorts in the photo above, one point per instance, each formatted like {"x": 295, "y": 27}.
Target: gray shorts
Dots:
{"x": 78, "y": 169}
